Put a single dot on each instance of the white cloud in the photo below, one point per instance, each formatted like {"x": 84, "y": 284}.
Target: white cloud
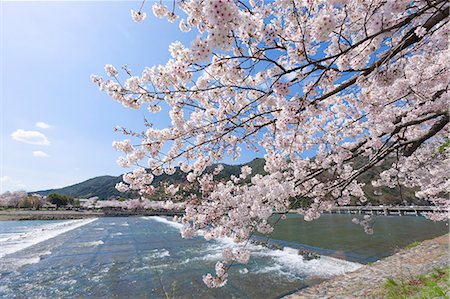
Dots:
{"x": 7, "y": 183}
{"x": 42, "y": 125}
{"x": 40, "y": 154}
{"x": 31, "y": 137}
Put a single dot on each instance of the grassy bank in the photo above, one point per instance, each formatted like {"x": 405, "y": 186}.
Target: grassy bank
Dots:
{"x": 433, "y": 285}
{"x": 421, "y": 270}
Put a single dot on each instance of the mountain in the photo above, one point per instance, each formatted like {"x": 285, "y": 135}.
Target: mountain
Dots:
{"x": 104, "y": 186}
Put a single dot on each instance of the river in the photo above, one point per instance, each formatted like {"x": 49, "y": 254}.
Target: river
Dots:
{"x": 145, "y": 257}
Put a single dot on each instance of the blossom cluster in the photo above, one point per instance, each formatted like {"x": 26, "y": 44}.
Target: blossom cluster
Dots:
{"x": 138, "y": 16}
{"x": 221, "y": 277}
{"x": 365, "y": 223}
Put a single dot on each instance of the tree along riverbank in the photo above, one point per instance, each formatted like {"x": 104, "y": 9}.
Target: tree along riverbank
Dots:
{"x": 13, "y": 214}
{"x": 367, "y": 281}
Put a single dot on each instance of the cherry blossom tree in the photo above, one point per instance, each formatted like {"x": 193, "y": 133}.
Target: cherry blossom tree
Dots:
{"x": 356, "y": 83}
{"x": 11, "y": 199}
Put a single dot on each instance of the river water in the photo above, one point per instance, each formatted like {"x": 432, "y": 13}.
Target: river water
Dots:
{"x": 344, "y": 239}
{"x": 145, "y": 257}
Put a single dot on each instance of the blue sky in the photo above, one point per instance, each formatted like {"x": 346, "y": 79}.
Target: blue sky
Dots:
{"x": 48, "y": 52}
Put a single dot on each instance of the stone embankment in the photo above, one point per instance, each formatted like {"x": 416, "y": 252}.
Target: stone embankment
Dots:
{"x": 367, "y": 281}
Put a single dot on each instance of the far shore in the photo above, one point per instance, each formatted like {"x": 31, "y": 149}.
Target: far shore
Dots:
{"x": 17, "y": 214}
{"x": 47, "y": 215}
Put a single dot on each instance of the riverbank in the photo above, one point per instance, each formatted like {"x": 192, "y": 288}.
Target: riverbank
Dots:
{"x": 47, "y": 215}
{"x": 367, "y": 281}
{"x": 12, "y": 214}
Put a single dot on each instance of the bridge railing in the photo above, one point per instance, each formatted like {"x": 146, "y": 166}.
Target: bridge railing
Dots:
{"x": 385, "y": 210}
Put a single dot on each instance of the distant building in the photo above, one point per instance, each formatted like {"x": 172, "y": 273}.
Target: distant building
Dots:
{"x": 49, "y": 206}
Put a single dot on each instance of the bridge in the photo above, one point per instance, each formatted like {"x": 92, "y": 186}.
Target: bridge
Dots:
{"x": 386, "y": 210}
{"x": 363, "y": 210}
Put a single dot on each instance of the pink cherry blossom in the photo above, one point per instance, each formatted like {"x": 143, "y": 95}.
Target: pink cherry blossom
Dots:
{"x": 353, "y": 83}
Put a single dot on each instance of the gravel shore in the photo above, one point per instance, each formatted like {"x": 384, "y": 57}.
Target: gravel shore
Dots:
{"x": 366, "y": 281}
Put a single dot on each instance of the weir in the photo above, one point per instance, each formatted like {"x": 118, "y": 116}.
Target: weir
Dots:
{"x": 143, "y": 212}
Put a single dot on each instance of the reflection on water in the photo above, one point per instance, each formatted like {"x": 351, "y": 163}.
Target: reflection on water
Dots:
{"x": 146, "y": 257}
